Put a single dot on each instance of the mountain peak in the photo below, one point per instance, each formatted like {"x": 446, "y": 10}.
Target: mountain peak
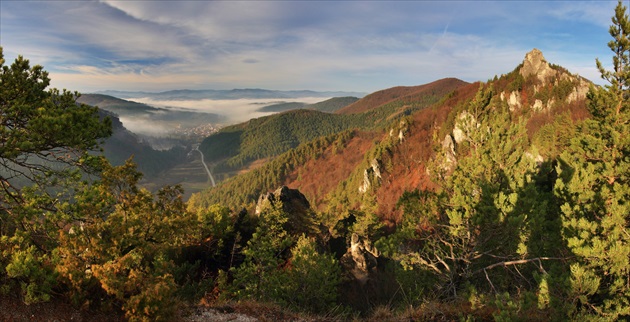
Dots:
{"x": 535, "y": 64}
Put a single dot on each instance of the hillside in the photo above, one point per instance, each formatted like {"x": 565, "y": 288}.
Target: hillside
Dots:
{"x": 330, "y": 105}
{"x": 333, "y": 104}
{"x": 123, "y": 144}
{"x": 235, "y": 147}
{"x": 504, "y": 200}
{"x": 402, "y": 149}
{"x": 402, "y": 94}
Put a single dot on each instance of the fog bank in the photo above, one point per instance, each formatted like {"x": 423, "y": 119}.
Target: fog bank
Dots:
{"x": 236, "y": 111}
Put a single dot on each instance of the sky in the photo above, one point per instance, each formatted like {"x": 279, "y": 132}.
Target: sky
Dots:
{"x": 361, "y": 46}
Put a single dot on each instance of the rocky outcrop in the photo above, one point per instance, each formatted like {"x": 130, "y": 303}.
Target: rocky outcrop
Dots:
{"x": 448, "y": 148}
{"x": 292, "y": 200}
{"x": 514, "y": 101}
{"x": 360, "y": 259}
{"x": 365, "y": 186}
{"x": 371, "y": 174}
{"x": 538, "y": 105}
{"x": 538, "y": 159}
{"x": 535, "y": 64}
{"x": 579, "y": 92}
{"x": 294, "y": 203}
{"x": 465, "y": 124}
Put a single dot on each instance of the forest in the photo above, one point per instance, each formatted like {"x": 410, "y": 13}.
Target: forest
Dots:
{"x": 501, "y": 200}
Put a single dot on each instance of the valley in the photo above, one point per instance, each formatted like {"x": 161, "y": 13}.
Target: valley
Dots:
{"x": 449, "y": 200}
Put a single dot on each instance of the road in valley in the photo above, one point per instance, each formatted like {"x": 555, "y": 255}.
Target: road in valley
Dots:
{"x": 196, "y": 147}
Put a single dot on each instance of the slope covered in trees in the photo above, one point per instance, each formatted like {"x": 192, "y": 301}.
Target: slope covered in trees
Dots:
{"x": 333, "y": 104}
{"x": 236, "y": 146}
{"x": 403, "y": 94}
{"x": 505, "y": 200}
{"x": 329, "y": 105}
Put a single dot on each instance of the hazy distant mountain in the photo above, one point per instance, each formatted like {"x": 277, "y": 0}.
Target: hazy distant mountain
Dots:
{"x": 252, "y": 93}
{"x": 329, "y": 105}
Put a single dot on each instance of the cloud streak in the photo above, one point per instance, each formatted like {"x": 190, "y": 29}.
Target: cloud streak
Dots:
{"x": 351, "y": 46}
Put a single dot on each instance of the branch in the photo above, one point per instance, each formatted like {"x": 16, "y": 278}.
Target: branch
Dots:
{"x": 518, "y": 262}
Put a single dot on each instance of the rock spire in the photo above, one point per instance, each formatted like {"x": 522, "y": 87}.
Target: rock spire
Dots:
{"x": 535, "y": 63}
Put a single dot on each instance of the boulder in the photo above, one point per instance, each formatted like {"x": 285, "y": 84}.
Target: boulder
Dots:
{"x": 294, "y": 203}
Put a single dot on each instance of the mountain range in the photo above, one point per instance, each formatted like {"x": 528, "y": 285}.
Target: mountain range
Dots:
{"x": 253, "y": 93}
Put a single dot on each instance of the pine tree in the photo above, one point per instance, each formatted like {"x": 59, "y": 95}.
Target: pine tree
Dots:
{"x": 260, "y": 276}
{"x": 486, "y": 214}
{"x": 45, "y": 137}
{"x": 595, "y": 188}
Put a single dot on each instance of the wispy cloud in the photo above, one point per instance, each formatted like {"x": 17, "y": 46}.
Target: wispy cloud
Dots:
{"x": 357, "y": 46}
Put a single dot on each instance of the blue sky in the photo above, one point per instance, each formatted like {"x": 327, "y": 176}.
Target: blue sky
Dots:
{"x": 318, "y": 45}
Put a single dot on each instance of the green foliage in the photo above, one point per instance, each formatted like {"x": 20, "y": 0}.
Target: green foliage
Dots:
{"x": 552, "y": 138}
{"x": 489, "y": 212}
{"x": 121, "y": 243}
{"x": 260, "y": 276}
{"x": 33, "y": 272}
{"x": 595, "y": 188}
{"x": 44, "y": 133}
{"x": 312, "y": 278}
{"x": 305, "y": 280}
{"x": 45, "y": 139}
{"x": 243, "y": 190}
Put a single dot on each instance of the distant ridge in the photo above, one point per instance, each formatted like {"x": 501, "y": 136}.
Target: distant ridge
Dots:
{"x": 239, "y": 93}
{"x": 401, "y": 93}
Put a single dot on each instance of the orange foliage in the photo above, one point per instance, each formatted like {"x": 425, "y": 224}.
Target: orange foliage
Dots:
{"x": 405, "y": 93}
{"x": 318, "y": 177}
{"x": 409, "y": 159}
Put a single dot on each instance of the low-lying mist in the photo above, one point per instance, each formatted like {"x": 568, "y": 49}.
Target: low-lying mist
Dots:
{"x": 236, "y": 111}
{"x": 145, "y": 126}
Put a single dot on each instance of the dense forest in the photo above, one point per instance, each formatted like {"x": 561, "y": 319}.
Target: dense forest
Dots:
{"x": 500, "y": 200}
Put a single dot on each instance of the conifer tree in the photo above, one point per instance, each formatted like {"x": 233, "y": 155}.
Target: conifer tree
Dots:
{"x": 486, "y": 211}
{"x": 45, "y": 137}
{"x": 594, "y": 186}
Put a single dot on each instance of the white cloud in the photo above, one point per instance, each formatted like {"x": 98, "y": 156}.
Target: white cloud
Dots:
{"x": 360, "y": 46}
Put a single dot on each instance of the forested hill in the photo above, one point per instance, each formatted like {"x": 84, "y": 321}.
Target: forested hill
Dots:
{"x": 333, "y": 104}
{"x": 237, "y": 146}
{"x": 399, "y": 150}
{"x": 505, "y": 200}
{"x": 402, "y": 94}
{"x": 329, "y": 105}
